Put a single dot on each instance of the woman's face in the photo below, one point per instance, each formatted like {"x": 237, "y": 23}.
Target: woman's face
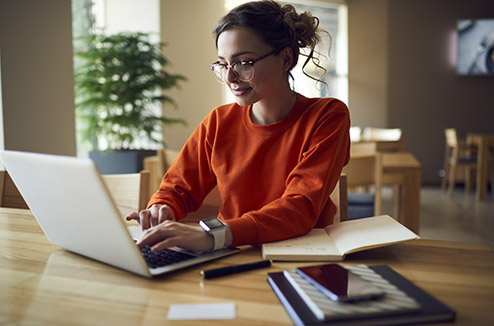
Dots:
{"x": 241, "y": 44}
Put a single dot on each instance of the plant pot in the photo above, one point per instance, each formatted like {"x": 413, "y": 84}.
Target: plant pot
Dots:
{"x": 124, "y": 161}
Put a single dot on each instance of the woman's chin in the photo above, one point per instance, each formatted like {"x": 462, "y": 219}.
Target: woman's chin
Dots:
{"x": 245, "y": 98}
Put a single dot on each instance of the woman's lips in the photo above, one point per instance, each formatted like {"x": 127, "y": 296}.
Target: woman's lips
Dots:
{"x": 240, "y": 91}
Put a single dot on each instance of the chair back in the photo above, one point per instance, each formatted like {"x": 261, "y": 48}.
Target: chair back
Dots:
{"x": 158, "y": 165}
{"x": 381, "y": 134}
{"x": 9, "y": 194}
{"x": 355, "y": 133}
{"x": 129, "y": 191}
{"x": 366, "y": 170}
{"x": 339, "y": 197}
{"x": 367, "y": 148}
{"x": 451, "y": 137}
{"x": 460, "y": 160}
{"x": 459, "y": 149}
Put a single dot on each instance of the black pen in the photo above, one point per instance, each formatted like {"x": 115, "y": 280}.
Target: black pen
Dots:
{"x": 223, "y": 271}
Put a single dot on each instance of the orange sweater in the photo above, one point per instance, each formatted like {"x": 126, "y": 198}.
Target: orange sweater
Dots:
{"x": 274, "y": 180}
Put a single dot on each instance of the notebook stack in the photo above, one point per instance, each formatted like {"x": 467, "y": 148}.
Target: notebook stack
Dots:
{"x": 403, "y": 304}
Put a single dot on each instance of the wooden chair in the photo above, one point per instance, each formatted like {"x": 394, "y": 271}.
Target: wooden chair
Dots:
{"x": 490, "y": 169}
{"x": 9, "y": 194}
{"x": 364, "y": 148}
{"x": 372, "y": 148}
{"x": 367, "y": 148}
{"x": 458, "y": 154}
{"x": 364, "y": 171}
{"x": 381, "y": 134}
{"x": 387, "y": 139}
{"x": 130, "y": 191}
{"x": 158, "y": 165}
{"x": 339, "y": 196}
{"x": 355, "y": 134}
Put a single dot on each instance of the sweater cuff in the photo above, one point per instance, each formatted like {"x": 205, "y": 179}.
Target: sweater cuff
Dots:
{"x": 244, "y": 231}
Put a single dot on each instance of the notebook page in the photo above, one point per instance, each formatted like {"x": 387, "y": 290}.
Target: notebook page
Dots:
{"x": 366, "y": 233}
{"x": 314, "y": 245}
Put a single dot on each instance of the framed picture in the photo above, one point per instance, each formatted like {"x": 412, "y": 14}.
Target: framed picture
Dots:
{"x": 475, "y": 47}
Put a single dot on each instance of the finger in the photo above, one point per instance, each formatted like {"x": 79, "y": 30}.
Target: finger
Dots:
{"x": 132, "y": 216}
{"x": 155, "y": 209}
{"x": 154, "y": 218}
{"x": 144, "y": 216}
{"x": 165, "y": 214}
{"x": 151, "y": 236}
{"x": 165, "y": 244}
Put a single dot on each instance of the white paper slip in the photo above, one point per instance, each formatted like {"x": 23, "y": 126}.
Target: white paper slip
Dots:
{"x": 202, "y": 311}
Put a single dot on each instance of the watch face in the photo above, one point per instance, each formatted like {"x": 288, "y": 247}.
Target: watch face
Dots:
{"x": 213, "y": 223}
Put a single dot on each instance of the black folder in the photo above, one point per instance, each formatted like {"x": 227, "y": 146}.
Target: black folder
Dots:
{"x": 432, "y": 310}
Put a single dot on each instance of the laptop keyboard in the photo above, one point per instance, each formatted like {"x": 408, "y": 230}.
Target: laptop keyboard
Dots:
{"x": 164, "y": 257}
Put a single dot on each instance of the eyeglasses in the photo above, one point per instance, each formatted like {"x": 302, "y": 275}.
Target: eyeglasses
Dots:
{"x": 243, "y": 70}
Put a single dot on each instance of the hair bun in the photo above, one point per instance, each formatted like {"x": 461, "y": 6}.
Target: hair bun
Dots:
{"x": 304, "y": 26}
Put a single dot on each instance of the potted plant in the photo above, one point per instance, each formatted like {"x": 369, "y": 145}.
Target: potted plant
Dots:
{"x": 119, "y": 85}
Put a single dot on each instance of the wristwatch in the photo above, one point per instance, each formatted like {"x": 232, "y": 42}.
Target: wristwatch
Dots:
{"x": 215, "y": 227}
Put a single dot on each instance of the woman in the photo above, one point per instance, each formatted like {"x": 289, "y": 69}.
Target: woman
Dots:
{"x": 275, "y": 155}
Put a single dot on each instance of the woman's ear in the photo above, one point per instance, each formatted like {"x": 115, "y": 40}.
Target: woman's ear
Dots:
{"x": 287, "y": 55}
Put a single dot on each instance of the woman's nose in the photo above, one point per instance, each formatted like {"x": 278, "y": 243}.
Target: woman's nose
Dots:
{"x": 230, "y": 75}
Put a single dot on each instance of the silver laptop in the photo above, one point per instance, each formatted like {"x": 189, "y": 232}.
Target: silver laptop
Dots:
{"x": 68, "y": 198}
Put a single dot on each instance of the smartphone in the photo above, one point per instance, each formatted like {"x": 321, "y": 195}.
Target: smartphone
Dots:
{"x": 340, "y": 284}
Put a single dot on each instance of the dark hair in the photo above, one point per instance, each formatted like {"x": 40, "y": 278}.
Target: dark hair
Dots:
{"x": 279, "y": 26}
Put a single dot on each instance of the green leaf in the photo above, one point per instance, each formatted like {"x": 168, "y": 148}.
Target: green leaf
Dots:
{"x": 118, "y": 85}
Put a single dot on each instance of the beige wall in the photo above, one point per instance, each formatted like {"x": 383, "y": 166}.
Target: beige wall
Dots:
{"x": 417, "y": 86}
{"x": 368, "y": 63}
{"x": 186, "y": 28}
{"x": 37, "y": 76}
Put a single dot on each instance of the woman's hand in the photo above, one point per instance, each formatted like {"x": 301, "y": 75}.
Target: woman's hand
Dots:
{"x": 170, "y": 233}
{"x": 153, "y": 216}
{"x": 161, "y": 231}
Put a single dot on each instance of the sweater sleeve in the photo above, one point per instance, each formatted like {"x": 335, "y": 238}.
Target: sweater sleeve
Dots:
{"x": 190, "y": 178}
{"x": 307, "y": 191}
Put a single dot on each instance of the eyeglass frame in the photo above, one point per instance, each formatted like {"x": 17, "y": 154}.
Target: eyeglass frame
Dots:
{"x": 232, "y": 65}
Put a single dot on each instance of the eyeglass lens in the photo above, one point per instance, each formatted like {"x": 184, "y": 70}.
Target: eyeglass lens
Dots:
{"x": 243, "y": 71}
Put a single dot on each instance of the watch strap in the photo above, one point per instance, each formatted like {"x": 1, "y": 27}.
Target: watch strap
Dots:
{"x": 219, "y": 239}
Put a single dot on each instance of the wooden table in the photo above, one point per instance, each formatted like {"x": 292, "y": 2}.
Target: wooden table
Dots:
{"x": 403, "y": 170}
{"x": 41, "y": 284}
{"x": 484, "y": 143}
{"x": 384, "y": 145}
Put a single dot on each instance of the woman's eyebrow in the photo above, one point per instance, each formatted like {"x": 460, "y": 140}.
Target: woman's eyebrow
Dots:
{"x": 238, "y": 54}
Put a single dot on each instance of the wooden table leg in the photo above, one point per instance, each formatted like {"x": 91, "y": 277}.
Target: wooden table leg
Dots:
{"x": 409, "y": 214}
{"x": 482, "y": 169}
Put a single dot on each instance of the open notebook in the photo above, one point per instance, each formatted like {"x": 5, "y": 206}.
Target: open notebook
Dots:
{"x": 69, "y": 200}
{"x": 337, "y": 240}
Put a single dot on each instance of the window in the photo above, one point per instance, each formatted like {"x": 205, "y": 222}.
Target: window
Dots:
{"x": 112, "y": 17}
